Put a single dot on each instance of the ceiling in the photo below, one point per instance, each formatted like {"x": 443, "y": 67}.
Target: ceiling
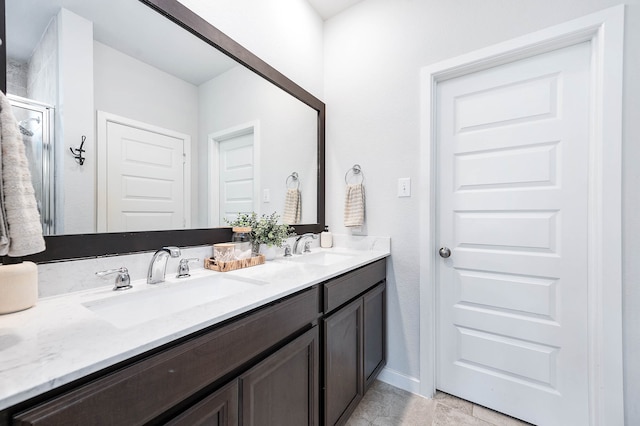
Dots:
{"x": 159, "y": 43}
{"x": 127, "y": 37}
{"x": 328, "y": 8}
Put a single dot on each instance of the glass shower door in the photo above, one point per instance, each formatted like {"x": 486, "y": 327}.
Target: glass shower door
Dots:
{"x": 35, "y": 122}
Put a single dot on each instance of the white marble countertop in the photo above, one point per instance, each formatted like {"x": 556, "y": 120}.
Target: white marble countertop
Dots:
{"x": 60, "y": 339}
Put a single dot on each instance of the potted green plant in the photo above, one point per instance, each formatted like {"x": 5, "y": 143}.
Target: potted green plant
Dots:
{"x": 270, "y": 234}
{"x": 266, "y": 233}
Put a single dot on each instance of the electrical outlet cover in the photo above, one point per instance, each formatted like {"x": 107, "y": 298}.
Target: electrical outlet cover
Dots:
{"x": 404, "y": 187}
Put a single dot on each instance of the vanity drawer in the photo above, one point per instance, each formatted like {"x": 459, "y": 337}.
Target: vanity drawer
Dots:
{"x": 144, "y": 390}
{"x": 344, "y": 288}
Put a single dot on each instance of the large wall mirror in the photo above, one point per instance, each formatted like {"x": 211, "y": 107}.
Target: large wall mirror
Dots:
{"x": 145, "y": 125}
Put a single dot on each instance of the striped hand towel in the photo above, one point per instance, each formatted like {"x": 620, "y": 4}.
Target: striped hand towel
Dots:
{"x": 292, "y": 207}
{"x": 354, "y": 205}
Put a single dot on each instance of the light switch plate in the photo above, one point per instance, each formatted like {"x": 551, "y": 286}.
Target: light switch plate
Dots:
{"x": 266, "y": 196}
{"x": 404, "y": 187}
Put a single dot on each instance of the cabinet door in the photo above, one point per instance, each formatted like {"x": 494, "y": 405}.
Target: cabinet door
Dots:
{"x": 343, "y": 362}
{"x": 218, "y": 409}
{"x": 374, "y": 333}
{"x": 283, "y": 389}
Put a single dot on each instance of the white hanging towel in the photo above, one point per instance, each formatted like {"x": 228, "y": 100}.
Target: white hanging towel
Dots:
{"x": 354, "y": 205}
{"x": 292, "y": 207}
{"x": 20, "y": 227}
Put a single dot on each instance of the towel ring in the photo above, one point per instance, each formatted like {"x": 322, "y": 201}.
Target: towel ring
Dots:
{"x": 293, "y": 178}
{"x": 356, "y": 170}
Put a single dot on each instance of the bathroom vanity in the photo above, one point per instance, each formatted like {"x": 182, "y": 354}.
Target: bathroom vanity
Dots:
{"x": 300, "y": 346}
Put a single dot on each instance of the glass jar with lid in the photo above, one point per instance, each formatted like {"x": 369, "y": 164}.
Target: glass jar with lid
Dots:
{"x": 241, "y": 238}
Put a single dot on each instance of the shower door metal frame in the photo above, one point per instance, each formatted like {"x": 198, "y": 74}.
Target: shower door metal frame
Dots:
{"x": 48, "y": 158}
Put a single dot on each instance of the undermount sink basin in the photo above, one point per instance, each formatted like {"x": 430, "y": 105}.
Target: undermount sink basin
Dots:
{"x": 322, "y": 258}
{"x": 130, "y": 309}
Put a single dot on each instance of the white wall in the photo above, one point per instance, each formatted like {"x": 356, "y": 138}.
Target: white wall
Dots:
{"x": 287, "y": 34}
{"x": 130, "y": 88}
{"x": 74, "y": 119}
{"x": 373, "y": 54}
{"x": 288, "y": 134}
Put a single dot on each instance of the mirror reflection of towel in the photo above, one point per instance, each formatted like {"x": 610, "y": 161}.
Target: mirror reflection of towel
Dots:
{"x": 292, "y": 207}
{"x": 20, "y": 227}
{"x": 354, "y": 205}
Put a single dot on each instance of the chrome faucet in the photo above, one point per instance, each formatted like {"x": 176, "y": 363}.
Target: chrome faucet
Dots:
{"x": 306, "y": 246}
{"x": 158, "y": 265}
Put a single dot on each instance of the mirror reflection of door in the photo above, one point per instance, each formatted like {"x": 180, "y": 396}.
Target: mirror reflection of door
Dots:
{"x": 147, "y": 178}
{"x": 236, "y": 176}
{"x": 234, "y": 173}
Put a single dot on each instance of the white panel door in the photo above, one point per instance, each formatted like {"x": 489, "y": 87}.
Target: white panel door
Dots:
{"x": 512, "y": 193}
{"x": 236, "y": 176}
{"x": 145, "y": 180}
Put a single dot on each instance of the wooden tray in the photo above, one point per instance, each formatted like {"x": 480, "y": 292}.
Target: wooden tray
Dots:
{"x": 211, "y": 263}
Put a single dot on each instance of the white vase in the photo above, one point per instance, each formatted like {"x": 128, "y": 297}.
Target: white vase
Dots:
{"x": 268, "y": 251}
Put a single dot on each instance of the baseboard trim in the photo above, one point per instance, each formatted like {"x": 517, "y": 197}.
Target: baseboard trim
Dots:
{"x": 400, "y": 380}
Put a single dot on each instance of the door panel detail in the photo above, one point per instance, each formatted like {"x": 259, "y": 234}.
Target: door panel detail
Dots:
{"x": 516, "y": 230}
{"x": 525, "y": 360}
{"x": 528, "y": 166}
{"x": 522, "y": 294}
{"x": 507, "y": 106}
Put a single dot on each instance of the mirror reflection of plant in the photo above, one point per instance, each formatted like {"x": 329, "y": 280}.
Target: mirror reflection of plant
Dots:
{"x": 243, "y": 220}
{"x": 264, "y": 230}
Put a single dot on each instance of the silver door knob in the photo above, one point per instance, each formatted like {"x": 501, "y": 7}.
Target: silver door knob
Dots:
{"x": 444, "y": 252}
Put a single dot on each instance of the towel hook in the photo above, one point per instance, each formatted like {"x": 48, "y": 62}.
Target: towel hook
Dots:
{"x": 357, "y": 171}
{"x": 293, "y": 178}
{"x": 77, "y": 152}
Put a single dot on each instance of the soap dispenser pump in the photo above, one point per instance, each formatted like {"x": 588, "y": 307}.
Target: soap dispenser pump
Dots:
{"x": 326, "y": 238}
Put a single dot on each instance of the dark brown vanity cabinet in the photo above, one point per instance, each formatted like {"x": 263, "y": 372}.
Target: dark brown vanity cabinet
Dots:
{"x": 354, "y": 338}
{"x": 302, "y": 360}
{"x": 280, "y": 390}
{"x": 171, "y": 381}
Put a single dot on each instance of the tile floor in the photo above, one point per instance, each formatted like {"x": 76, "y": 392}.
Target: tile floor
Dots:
{"x": 385, "y": 405}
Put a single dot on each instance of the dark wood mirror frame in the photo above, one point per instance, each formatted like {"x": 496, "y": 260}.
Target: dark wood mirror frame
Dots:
{"x": 66, "y": 247}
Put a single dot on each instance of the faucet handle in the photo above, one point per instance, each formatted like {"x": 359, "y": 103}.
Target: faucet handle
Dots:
{"x": 183, "y": 268}
{"x": 287, "y": 250}
{"x": 123, "y": 280}
{"x": 307, "y": 247}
